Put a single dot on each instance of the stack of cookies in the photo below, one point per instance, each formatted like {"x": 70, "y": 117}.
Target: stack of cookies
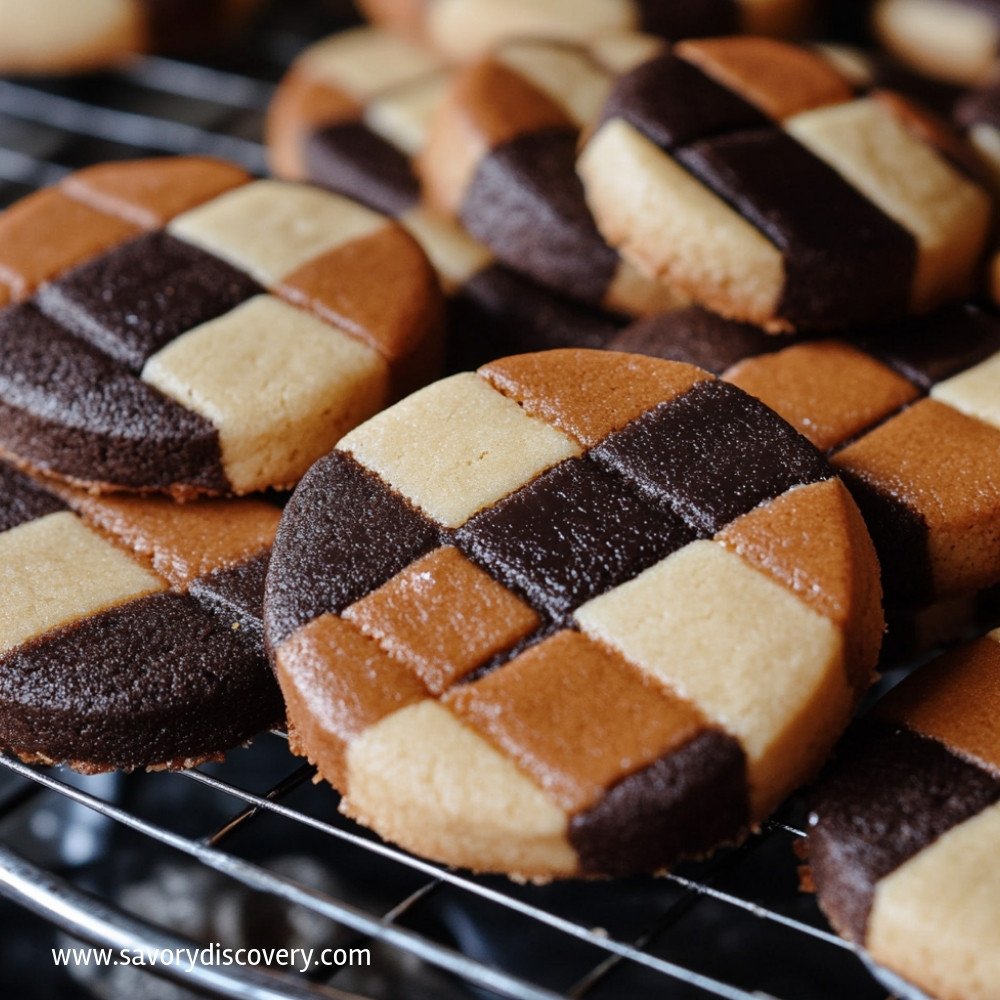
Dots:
{"x": 629, "y": 365}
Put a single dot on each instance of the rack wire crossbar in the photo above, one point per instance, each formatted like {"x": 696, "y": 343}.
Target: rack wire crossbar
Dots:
{"x": 383, "y": 929}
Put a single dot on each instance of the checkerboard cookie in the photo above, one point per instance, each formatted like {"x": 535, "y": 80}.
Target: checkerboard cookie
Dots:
{"x": 130, "y": 627}
{"x": 500, "y": 156}
{"x": 909, "y": 415}
{"x": 351, "y": 115}
{"x": 955, "y": 40}
{"x": 904, "y": 829}
{"x": 603, "y": 612}
{"x": 67, "y": 36}
{"x": 175, "y": 326}
{"x": 872, "y": 216}
{"x": 464, "y": 29}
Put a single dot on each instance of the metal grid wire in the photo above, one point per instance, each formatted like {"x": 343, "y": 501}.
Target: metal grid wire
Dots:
{"x": 733, "y": 927}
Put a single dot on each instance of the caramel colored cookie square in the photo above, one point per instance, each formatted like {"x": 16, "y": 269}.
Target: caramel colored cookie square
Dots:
{"x": 541, "y": 708}
{"x": 584, "y": 396}
{"x": 347, "y": 286}
{"x": 955, "y": 700}
{"x": 813, "y": 541}
{"x": 48, "y": 233}
{"x": 181, "y": 541}
{"x": 149, "y": 193}
{"x": 829, "y": 391}
{"x": 778, "y": 79}
{"x": 443, "y": 617}
{"x": 330, "y": 662}
{"x": 502, "y": 105}
{"x": 569, "y": 76}
{"x": 942, "y": 470}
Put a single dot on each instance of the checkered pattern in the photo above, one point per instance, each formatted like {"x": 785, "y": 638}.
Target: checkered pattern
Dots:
{"x": 500, "y": 156}
{"x": 909, "y": 416}
{"x": 871, "y": 217}
{"x": 130, "y": 633}
{"x": 903, "y": 840}
{"x": 350, "y": 115}
{"x": 234, "y": 329}
{"x": 597, "y": 562}
{"x": 359, "y": 137}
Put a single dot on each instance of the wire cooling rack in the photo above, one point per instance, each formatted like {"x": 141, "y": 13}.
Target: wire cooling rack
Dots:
{"x": 734, "y": 927}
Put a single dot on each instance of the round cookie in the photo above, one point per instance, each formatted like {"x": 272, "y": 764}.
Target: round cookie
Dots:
{"x": 67, "y": 36}
{"x": 500, "y": 156}
{"x": 872, "y": 216}
{"x": 953, "y": 40}
{"x": 353, "y": 111}
{"x": 604, "y": 612}
{"x": 176, "y": 326}
{"x": 909, "y": 415}
{"x": 351, "y": 115}
{"x": 130, "y": 627}
{"x": 467, "y": 29}
{"x": 904, "y": 829}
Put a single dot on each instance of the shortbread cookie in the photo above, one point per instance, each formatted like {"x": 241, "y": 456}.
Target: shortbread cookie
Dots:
{"x": 501, "y": 157}
{"x": 604, "y": 612}
{"x": 67, "y": 36}
{"x": 910, "y": 416}
{"x": 467, "y": 29}
{"x": 351, "y": 115}
{"x": 353, "y": 111}
{"x": 130, "y": 628}
{"x": 181, "y": 328}
{"x": 869, "y": 218}
{"x": 955, "y": 40}
{"x": 903, "y": 836}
